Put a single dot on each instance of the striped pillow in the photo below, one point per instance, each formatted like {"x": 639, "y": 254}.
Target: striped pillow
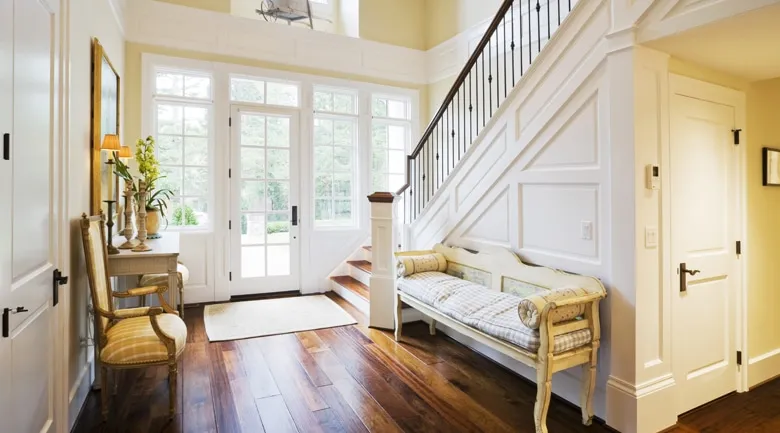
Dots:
{"x": 530, "y": 307}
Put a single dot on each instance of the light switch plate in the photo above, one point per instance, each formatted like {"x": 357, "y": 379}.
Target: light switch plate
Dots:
{"x": 587, "y": 230}
{"x": 651, "y": 237}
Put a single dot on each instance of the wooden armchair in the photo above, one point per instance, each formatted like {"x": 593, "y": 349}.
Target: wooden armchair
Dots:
{"x": 133, "y": 337}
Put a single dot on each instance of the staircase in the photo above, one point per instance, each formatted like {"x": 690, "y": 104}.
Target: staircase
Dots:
{"x": 513, "y": 40}
{"x": 354, "y": 287}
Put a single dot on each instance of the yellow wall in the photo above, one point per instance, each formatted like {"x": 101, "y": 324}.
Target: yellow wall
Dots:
{"x": 763, "y": 211}
{"x": 132, "y": 81}
{"x": 211, "y": 5}
{"x": 395, "y": 22}
{"x": 446, "y": 18}
{"x": 701, "y": 73}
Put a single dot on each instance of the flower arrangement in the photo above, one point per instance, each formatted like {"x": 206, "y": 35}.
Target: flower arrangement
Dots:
{"x": 149, "y": 170}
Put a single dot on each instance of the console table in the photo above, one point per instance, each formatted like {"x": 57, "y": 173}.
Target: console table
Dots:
{"x": 162, "y": 259}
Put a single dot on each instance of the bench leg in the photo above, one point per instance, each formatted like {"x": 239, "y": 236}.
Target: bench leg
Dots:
{"x": 543, "y": 393}
{"x": 588, "y": 388}
{"x": 399, "y": 322}
{"x": 432, "y": 327}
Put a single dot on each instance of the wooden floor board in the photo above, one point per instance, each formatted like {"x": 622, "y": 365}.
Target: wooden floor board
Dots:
{"x": 356, "y": 379}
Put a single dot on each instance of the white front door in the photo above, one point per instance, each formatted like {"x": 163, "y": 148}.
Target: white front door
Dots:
{"x": 705, "y": 225}
{"x": 28, "y": 203}
{"x": 265, "y": 230}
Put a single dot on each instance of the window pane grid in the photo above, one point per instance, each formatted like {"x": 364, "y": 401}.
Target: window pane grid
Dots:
{"x": 334, "y": 167}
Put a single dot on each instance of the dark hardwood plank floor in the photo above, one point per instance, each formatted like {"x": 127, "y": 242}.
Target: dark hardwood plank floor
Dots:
{"x": 356, "y": 379}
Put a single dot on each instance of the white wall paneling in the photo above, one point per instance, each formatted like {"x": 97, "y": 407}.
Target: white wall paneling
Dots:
{"x": 157, "y": 23}
{"x": 668, "y": 17}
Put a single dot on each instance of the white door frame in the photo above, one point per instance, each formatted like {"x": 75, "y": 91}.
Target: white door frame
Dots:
{"x": 693, "y": 88}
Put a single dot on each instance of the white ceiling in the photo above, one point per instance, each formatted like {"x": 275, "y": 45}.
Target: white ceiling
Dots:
{"x": 746, "y": 45}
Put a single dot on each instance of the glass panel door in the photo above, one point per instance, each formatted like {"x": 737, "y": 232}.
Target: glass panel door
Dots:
{"x": 265, "y": 247}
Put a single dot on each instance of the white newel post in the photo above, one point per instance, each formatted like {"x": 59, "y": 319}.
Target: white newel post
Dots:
{"x": 382, "y": 283}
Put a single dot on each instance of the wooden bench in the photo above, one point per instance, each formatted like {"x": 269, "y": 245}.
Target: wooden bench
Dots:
{"x": 500, "y": 270}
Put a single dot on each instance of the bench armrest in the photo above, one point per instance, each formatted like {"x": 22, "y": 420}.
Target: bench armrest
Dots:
{"x": 577, "y": 300}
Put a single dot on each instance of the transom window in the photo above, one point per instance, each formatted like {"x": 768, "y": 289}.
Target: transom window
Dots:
{"x": 255, "y": 91}
{"x": 335, "y": 154}
{"x": 183, "y": 129}
{"x": 391, "y": 133}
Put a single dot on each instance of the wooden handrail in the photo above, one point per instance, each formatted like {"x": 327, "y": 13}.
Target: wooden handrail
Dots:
{"x": 461, "y": 78}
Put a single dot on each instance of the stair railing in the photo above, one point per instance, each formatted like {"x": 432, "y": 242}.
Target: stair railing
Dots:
{"x": 514, "y": 38}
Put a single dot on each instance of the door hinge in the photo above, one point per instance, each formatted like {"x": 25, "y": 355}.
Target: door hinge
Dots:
{"x": 7, "y": 146}
{"x": 736, "y": 135}
{"x": 739, "y": 357}
{"x": 739, "y": 248}
{"x": 230, "y": 225}
{"x": 230, "y": 121}
{"x": 230, "y": 173}
{"x": 230, "y": 276}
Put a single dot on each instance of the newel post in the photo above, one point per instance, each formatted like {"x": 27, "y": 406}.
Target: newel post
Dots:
{"x": 382, "y": 283}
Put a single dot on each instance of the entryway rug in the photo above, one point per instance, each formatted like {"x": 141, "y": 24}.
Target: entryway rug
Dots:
{"x": 248, "y": 319}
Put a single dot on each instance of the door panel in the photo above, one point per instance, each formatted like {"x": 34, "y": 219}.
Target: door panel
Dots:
{"x": 31, "y": 232}
{"x": 704, "y": 176}
{"x": 265, "y": 242}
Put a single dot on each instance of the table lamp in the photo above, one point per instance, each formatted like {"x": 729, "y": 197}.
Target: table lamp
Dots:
{"x": 111, "y": 144}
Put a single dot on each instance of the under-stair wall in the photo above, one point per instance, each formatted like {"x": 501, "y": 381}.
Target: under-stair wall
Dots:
{"x": 537, "y": 179}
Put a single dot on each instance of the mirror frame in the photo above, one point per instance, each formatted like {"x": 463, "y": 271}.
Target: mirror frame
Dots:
{"x": 98, "y": 55}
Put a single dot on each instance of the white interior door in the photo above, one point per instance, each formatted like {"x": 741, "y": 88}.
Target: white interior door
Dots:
{"x": 28, "y": 201}
{"x": 704, "y": 180}
{"x": 265, "y": 226}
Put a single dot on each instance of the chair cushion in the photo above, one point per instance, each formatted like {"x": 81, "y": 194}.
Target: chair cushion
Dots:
{"x": 161, "y": 280}
{"x": 409, "y": 265}
{"x": 133, "y": 341}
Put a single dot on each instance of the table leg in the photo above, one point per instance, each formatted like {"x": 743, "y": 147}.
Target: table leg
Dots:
{"x": 173, "y": 290}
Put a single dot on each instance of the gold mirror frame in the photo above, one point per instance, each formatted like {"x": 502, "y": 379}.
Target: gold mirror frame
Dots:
{"x": 99, "y": 173}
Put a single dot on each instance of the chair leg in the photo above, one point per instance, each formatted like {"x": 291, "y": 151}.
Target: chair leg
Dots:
{"x": 181, "y": 302}
{"x": 432, "y": 327}
{"x": 588, "y": 388}
{"x": 104, "y": 391}
{"x": 399, "y": 322}
{"x": 173, "y": 372}
{"x": 543, "y": 393}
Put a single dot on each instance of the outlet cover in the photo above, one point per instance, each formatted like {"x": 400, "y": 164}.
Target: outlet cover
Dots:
{"x": 651, "y": 237}
{"x": 587, "y": 230}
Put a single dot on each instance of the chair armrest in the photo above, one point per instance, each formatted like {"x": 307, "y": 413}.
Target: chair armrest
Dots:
{"x": 138, "y": 291}
{"x": 127, "y": 313}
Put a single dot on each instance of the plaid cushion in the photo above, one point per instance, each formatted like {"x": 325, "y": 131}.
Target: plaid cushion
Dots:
{"x": 133, "y": 341}
{"x": 494, "y": 313}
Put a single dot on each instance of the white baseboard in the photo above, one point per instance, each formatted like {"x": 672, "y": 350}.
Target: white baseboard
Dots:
{"x": 647, "y": 408}
{"x": 566, "y": 384}
{"x": 78, "y": 392}
{"x": 763, "y": 367}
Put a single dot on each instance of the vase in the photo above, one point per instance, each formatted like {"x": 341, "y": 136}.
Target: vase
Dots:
{"x": 153, "y": 224}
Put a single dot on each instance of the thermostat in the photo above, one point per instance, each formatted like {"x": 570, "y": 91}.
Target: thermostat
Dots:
{"x": 652, "y": 177}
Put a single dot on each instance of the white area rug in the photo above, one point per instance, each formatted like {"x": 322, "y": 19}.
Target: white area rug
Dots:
{"x": 248, "y": 319}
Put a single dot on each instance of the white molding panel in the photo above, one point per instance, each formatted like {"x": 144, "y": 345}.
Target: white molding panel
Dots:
{"x": 667, "y": 17}
{"x": 157, "y": 23}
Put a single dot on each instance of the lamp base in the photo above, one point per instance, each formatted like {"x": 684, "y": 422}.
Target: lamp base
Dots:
{"x": 110, "y": 248}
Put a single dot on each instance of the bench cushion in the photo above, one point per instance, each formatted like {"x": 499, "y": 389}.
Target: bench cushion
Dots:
{"x": 494, "y": 313}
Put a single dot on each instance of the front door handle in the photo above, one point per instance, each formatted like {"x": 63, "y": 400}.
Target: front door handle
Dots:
{"x": 294, "y": 216}
{"x": 684, "y": 272}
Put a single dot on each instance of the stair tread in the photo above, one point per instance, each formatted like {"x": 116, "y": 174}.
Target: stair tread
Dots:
{"x": 363, "y": 265}
{"x": 367, "y": 247}
{"x": 352, "y": 285}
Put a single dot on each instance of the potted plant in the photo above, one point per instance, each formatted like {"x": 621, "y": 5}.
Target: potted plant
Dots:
{"x": 149, "y": 171}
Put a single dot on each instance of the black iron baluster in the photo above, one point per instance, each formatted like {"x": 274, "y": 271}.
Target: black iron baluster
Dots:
{"x": 463, "y": 133}
{"x": 483, "y": 89}
{"x": 490, "y": 80}
{"x": 471, "y": 112}
{"x": 559, "y": 12}
{"x": 548, "y": 20}
{"x": 512, "y": 45}
{"x": 451, "y": 161}
{"x": 538, "y": 27}
{"x": 505, "y": 74}
{"x": 530, "y": 35}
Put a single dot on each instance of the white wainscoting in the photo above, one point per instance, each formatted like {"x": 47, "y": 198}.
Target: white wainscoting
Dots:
{"x": 158, "y": 23}
{"x": 536, "y": 174}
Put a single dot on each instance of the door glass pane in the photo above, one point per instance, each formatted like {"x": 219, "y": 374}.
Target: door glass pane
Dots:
{"x": 252, "y": 163}
{"x": 278, "y": 131}
{"x": 252, "y": 228}
{"x": 252, "y": 262}
{"x": 253, "y": 195}
{"x": 252, "y": 130}
{"x": 279, "y": 260}
{"x": 278, "y": 228}
{"x": 279, "y": 195}
{"x": 278, "y": 164}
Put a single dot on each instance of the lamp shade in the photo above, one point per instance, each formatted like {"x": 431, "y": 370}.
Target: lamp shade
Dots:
{"x": 111, "y": 142}
{"x": 125, "y": 152}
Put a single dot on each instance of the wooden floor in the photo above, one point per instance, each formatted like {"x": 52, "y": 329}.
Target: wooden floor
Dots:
{"x": 355, "y": 379}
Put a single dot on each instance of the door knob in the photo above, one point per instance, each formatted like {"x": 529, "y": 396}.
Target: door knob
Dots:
{"x": 684, "y": 271}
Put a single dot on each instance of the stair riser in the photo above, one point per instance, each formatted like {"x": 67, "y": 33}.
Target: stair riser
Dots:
{"x": 357, "y": 301}
{"x": 360, "y": 275}
{"x": 367, "y": 255}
